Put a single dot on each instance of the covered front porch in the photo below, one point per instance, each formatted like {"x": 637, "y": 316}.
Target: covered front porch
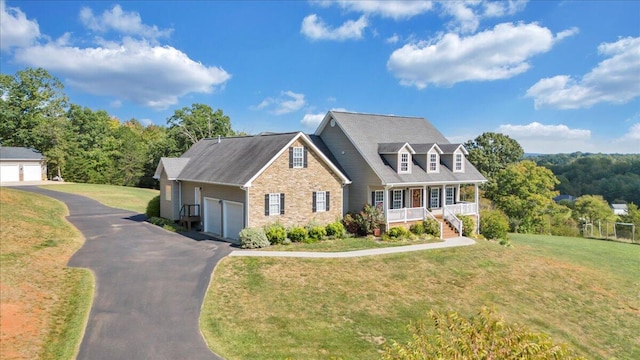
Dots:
{"x": 442, "y": 202}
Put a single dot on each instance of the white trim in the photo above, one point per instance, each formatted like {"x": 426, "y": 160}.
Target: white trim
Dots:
{"x": 274, "y": 196}
{"x": 324, "y": 201}
{"x": 300, "y": 157}
{"x": 437, "y": 162}
{"x": 375, "y": 193}
{"x": 455, "y": 162}
{"x": 393, "y": 198}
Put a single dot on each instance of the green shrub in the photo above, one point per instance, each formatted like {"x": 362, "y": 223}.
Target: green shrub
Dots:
{"x": 297, "y": 234}
{"x": 253, "y": 238}
{"x": 417, "y": 228}
{"x": 398, "y": 232}
{"x": 276, "y": 233}
{"x": 153, "y": 207}
{"x": 335, "y": 229}
{"x": 493, "y": 224}
{"x": 370, "y": 219}
{"x": 351, "y": 225}
{"x": 468, "y": 226}
{"x": 165, "y": 224}
{"x": 317, "y": 232}
{"x": 432, "y": 227}
{"x": 451, "y": 336}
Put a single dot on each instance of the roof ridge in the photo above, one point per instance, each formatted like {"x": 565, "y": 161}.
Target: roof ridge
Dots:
{"x": 382, "y": 115}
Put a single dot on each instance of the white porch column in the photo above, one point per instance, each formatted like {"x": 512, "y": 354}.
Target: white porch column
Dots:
{"x": 457, "y": 193}
{"x": 477, "y": 200}
{"x": 443, "y": 198}
{"x": 385, "y": 205}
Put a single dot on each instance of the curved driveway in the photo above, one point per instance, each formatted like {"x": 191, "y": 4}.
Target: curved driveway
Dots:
{"x": 150, "y": 283}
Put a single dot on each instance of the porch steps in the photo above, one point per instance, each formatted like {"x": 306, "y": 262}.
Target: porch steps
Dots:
{"x": 448, "y": 231}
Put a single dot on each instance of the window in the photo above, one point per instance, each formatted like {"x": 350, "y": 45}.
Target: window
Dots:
{"x": 433, "y": 162}
{"x": 274, "y": 204}
{"x": 397, "y": 199}
{"x": 378, "y": 198}
{"x": 167, "y": 192}
{"x": 458, "y": 164}
{"x": 434, "y": 199}
{"x": 321, "y": 201}
{"x": 449, "y": 196}
{"x": 298, "y": 157}
{"x": 404, "y": 163}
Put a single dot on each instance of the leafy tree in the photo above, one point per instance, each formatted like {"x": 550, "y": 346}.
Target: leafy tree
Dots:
{"x": 524, "y": 192}
{"x": 483, "y": 336}
{"x": 32, "y": 108}
{"x": 492, "y": 152}
{"x": 592, "y": 208}
{"x": 189, "y": 125}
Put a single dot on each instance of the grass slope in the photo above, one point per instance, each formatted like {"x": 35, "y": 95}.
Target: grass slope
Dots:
{"x": 123, "y": 197}
{"x": 582, "y": 292}
{"x": 44, "y": 305}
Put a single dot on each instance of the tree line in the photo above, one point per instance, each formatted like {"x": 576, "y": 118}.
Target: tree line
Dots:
{"x": 616, "y": 177}
{"x": 91, "y": 146}
{"x": 523, "y": 189}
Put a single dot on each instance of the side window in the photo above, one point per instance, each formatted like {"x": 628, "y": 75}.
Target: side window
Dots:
{"x": 321, "y": 201}
{"x": 297, "y": 157}
{"x": 274, "y": 204}
{"x": 167, "y": 192}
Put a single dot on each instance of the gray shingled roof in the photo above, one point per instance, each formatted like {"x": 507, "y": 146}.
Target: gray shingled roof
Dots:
{"x": 390, "y": 148}
{"x": 367, "y": 131}
{"x": 232, "y": 161}
{"x": 19, "y": 153}
{"x": 172, "y": 166}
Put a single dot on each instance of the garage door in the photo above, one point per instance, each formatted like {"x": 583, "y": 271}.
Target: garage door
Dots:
{"x": 233, "y": 219}
{"x": 212, "y": 216}
{"x": 32, "y": 172}
{"x": 9, "y": 173}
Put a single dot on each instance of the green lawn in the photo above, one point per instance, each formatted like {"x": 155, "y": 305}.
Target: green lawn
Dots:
{"x": 347, "y": 244}
{"x": 579, "y": 291}
{"x": 123, "y": 197}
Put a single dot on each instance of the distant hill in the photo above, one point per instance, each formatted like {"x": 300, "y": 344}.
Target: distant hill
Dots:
{"x": 614, "y": 176}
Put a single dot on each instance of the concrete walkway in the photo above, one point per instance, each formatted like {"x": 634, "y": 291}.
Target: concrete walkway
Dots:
{"x": 454, "y": 242}
{"x": 150, "y": 283}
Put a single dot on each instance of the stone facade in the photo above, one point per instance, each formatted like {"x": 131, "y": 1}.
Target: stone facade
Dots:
{"x": 298, "y": 186}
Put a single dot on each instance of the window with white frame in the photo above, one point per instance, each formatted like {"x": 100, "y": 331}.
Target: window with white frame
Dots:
{"x": 274, "y": 204}
{"x": 397, "y": 199}
{"x": 321, "y": 201}
{"x": 433, "y": 162}
{"x": 404, "y": 163}
{"x": 378, "y": 198}
{"x": 298, "y": 157}
{"x": 449, "y": 197}
{"x": 459, "y": 163}
{"x": 434, "y": 198}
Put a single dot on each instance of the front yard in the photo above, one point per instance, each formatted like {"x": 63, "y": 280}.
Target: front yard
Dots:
{"x": 582, "y": 292}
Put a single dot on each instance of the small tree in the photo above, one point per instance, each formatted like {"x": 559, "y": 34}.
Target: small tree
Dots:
{"x": 450, "y": 336}
{"x": 592, "y": 208}
{"x": 493, "y": 224}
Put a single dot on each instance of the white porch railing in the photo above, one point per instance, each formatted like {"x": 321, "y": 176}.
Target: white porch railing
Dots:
{"x": 463, "y": 208}
{"x": 453, "y": 219}
{"x": 406, "y": 214}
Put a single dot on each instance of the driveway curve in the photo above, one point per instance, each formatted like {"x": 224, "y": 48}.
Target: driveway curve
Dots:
{"x": 150, "y": 283}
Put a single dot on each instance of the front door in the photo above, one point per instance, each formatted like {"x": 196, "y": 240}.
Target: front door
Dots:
{"x": 416, "y": 198}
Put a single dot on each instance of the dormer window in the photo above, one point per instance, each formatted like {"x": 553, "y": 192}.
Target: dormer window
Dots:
{"x": 405, "y": 163}
{"x": 434, "y": 162}
{"x": 458, "y": 165}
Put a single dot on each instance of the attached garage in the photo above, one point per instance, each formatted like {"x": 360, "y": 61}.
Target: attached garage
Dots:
{"x": 223, "y": 218}
{"x": 21, "y": 164}
{"x": 9, "y": 173}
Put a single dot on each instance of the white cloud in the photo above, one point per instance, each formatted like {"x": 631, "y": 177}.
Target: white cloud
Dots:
{"x": 540, "y": 138}
{"x": 153, "y": 76}
{"x": 614, "y": 80}
{"x": 393, "y": 39}
{"x": 125, "y": 22}
{"x": 467, "y": 14}
{"x": 536, "y": 129}
{"x": 15, "y": 29}
{"x": 633, "y": 134}
{"x": 288, "y": 102}
{"x": 315, "y": 28}
{"x": 498, "y": 53}
{"x": 388, "y": 8}
{"x": 312, "y": 121}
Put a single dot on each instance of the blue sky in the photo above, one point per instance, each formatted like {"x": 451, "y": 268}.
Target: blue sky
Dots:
{"x": 557, "y": 76}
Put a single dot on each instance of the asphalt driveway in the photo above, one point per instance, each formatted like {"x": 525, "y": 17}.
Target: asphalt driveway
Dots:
{"x": 150, "y": 283}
